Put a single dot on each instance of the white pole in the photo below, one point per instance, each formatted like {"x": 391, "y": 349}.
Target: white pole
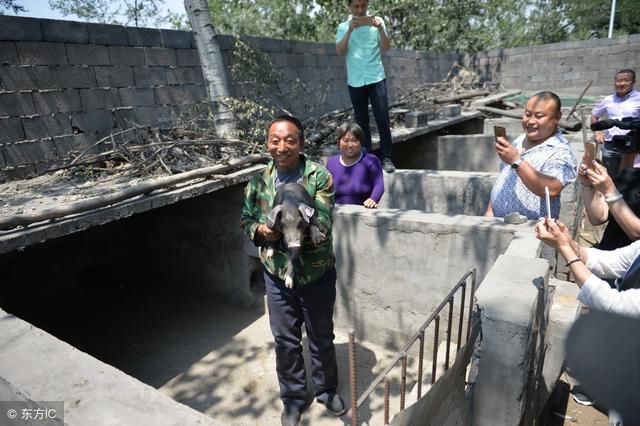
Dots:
{"x": 613, "y": 12}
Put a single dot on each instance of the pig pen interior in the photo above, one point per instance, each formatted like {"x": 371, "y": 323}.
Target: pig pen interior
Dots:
{"x": 174, "y": 298}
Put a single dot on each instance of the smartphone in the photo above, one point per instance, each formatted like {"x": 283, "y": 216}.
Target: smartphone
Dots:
{"x": 499, "y": 131}
{"x": 589, "y": 154}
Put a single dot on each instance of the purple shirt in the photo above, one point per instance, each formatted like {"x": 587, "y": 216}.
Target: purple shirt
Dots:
{"x": 355, "y": 183}
{"x": 617, "y": 107}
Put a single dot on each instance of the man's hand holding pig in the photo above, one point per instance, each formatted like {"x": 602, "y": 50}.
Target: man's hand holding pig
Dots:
{"x": 267, "y": 233}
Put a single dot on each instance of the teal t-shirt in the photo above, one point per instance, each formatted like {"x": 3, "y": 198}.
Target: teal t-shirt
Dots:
{"x": 364, "y": 63}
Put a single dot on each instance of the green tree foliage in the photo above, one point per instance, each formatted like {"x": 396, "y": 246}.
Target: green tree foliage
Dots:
{"x": 11, "y": 5}
{"x": 124, "y": 12}
{"x": 437, "y": 25}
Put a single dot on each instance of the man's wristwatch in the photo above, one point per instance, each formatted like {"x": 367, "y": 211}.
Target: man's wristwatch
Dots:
{"x": 516, "y": 164}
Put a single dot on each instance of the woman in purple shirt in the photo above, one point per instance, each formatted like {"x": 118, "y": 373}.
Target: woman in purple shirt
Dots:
{"x": 357, "y": 175}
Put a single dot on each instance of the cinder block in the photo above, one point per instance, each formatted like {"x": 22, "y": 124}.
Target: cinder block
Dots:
{"x": 188, "y": 57}
{"x": 137, "y": 96}
{"x": 143, "y": 116}
{"x": 102, "y": 98}
{"x": 38, "y": 53}
{"x": 117, "y": 76}
{"x": 25, "y": 78}
{"x": 16, "y": 173}
{"x": 309, "y": 60}
{"x": 144, "y": 36}
{"x": 176, "y": 39}
{"x": 73, "y": 77}
{"x": 15, "y": 104}
{"x": 195, "y": 93}
{"x": 227, "y": 42}
{"x": 18, "y": 28}
{"x": 126, "y": 55}
{"x": 52, "y": 101}
{"x": 8, "y": 53}
{"x": 12, "y": 130}
{"x": 107, "y": 34}
{"x": 160, "y": 56}
{"x": 92, "y": 122}
{"x": 169, "y": 95}
{"x": 28, "y": 152}
{"x": 43, "y": 167}
{"x": 66, "y": 145}
{"x": 87, "y": 54}
{"x": 150, "y": 76}
{"x": 45, "y": 126}
{"x": 185, "y": 75}
{"x": 64, "y": 31}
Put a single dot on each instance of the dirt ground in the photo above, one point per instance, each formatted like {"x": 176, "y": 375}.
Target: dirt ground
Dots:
{"x": 563, "y": 410}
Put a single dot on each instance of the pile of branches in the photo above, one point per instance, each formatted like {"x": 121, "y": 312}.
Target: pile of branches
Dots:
{"x": 150, "y": 151}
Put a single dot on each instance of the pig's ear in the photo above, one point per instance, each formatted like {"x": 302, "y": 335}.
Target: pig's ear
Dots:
{"x": 306, "y": 211}
{"x": 272, "y": 218}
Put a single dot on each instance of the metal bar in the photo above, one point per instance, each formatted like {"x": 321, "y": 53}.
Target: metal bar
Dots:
{"x": 406, "y": 348}
{"x": 420, "y": 362}
{"x": 471, "y": 300}
{"x": 387, "y": 387}
{"x": 461, "y": 319}
{"x": 446, "y": 356}
{"x": 352, "y": 379}
{"x": 434, "y": 363}
{"x": 403, "y": 382}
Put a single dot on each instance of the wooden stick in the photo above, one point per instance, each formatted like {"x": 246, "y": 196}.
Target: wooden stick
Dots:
{"x": 579, "y": 99}
{"x": 133, "y": 191}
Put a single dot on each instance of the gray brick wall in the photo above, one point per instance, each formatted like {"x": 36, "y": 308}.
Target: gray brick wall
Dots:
{"x": 65, "y": 84}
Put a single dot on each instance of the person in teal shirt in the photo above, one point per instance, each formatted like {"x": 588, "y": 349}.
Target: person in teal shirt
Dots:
{"x": 362, "y": 39}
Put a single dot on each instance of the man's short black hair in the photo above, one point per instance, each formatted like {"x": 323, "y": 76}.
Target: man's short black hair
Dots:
{"x": 628, "y": 71}
{"x": 546, "y": 94}
{"x": 290, "y": 119}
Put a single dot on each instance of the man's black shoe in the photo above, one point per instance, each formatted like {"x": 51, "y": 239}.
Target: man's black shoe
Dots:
{"x": 290, "y": 416}
{"x": 335, "y": 405}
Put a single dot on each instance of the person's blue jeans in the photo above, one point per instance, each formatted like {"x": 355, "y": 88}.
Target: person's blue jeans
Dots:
{"x": 375, "y": 93}
{"x": 611, "y": 159}
{"x": 311, "y": 304}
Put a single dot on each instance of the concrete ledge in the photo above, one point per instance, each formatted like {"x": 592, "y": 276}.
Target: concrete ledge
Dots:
{"x": 508, "y": 304}
{"x": 446, "y": 192}
{"x": 93, "y": 392}
{"x": 389, "y": 258}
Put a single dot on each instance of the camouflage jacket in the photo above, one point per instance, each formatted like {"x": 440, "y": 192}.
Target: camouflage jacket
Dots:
{"x": 258, "y": 199}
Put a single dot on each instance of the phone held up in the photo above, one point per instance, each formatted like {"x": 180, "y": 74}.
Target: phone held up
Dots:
{"x": 590, "y": 154}
{"x": 499, "y": 131}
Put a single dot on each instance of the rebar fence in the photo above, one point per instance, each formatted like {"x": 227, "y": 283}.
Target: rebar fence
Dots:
{"x": 402, "y": 356}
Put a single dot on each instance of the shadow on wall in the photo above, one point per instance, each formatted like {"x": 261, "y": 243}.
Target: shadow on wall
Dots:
{"x": 395, "y": 267}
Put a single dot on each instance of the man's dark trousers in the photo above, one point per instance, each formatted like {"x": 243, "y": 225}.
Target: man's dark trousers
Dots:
{"x": 311, "y": 304}
{"x": 377, "y": 94}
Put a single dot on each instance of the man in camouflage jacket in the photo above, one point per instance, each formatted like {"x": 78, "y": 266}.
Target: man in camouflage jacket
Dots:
{"x": 312, "y": 298}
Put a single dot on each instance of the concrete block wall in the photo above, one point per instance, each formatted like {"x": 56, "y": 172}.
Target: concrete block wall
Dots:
{"x": 444, "y": 192}
{"x": 390, "y": 258}
{"x": 64, "y": 85}
{"x": 562, "y": 67}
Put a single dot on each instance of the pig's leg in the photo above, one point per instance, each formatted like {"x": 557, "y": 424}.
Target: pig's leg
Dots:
{"x": 294, "y": 257}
